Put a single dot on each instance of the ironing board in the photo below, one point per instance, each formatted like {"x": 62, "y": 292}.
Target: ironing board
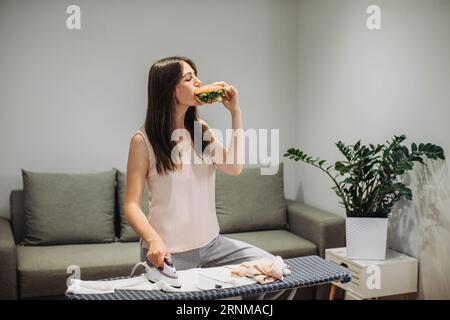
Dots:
{"x": 306, "y": 271}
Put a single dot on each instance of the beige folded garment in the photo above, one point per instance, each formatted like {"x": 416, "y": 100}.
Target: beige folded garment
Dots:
{"x": 262, "y": 270}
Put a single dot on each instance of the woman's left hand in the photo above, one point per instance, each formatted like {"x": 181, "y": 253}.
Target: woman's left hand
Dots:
{"x": 231, "y": 98}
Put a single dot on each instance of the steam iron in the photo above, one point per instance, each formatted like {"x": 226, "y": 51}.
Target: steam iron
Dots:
{"x": 168, "y": 273}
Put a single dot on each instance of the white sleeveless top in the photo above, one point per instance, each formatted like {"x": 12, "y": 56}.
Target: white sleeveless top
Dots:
{"x": 182, "y": 204}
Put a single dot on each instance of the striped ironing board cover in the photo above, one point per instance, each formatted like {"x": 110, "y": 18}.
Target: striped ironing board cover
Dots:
{"x": 306, "y": 271}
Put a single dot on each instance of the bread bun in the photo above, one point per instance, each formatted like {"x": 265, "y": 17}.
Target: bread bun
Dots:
{"x": 208, "y": 88}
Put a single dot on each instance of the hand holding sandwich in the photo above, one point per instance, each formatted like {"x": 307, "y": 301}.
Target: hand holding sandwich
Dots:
{"x": 229, "y": 96}
{"x": 219, "y": 92}
{"x": 231, "y": 100}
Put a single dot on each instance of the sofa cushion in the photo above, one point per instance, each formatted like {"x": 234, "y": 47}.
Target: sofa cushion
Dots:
{"x": 62, "y": 208}
{"x": 278, "y": 242}
{"x": 42, "y": 269}
{"x": 250, "y": 201}
{"x": 126, "y": 232}
{"x": 17, "y": 214}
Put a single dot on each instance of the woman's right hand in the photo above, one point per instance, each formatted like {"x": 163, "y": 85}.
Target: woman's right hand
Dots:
{"x": 157, "y": 252}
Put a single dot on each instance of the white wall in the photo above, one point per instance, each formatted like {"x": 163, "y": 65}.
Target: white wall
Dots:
{"x": 70, "y": 100}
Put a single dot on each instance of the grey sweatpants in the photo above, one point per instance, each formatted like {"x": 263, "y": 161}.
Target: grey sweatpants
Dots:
{"x": 220, "y": 251}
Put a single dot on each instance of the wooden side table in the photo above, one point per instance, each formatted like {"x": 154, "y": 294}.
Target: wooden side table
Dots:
{"x": 395, "y": 275}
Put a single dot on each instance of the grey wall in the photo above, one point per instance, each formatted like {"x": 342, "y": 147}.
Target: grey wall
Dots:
{"x": 421, "y": 228}
{"x": 360, "y": 84}
{"x": 71, "y": 99}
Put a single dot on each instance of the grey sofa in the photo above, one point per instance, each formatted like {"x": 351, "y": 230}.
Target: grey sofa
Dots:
{"x": 250, "y": 207}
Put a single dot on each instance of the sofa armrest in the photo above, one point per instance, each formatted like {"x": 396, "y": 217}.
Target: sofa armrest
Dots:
{"x": 8, "y": 261}
{"x": 324, "y": 229}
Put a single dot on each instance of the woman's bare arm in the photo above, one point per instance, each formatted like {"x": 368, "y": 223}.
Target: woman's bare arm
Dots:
{"x": 236, "y": 150}
{"x": 137, "y": 168}
{"x": 230, "y": 161}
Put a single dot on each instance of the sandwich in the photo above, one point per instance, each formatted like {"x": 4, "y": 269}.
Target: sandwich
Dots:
{"x": 209, "y": 93}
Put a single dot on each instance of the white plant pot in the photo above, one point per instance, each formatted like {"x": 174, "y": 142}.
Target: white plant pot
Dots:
{"x": 366, "y": 238}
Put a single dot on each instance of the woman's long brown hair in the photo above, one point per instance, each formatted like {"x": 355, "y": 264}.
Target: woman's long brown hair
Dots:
{"x": 162, "y": 79}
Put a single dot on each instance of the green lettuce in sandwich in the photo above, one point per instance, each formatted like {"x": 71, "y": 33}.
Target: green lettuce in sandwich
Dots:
{"x": 210, "y": 93}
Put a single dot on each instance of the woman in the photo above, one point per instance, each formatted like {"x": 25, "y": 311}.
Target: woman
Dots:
{"x": 182, "y": 224}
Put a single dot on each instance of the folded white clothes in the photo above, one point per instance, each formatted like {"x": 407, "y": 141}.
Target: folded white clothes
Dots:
{"x": 196, "y": 279}
{"x": 79, "y": 286}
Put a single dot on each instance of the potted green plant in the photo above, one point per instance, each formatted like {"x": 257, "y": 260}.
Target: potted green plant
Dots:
{"x": 368, "y": 184}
